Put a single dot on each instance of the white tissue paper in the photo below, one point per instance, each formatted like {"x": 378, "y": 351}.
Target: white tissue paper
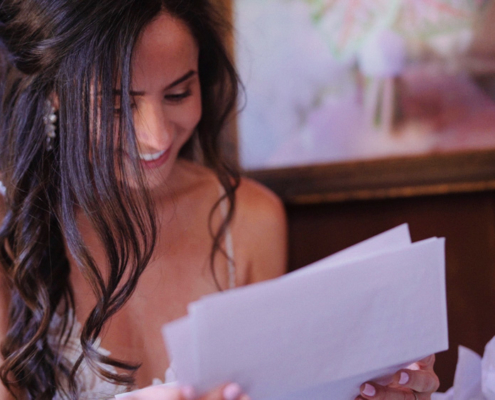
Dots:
{"x": 474, "y": 376}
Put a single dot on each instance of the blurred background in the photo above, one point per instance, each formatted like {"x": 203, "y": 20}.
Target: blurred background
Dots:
{"x": 362, "y": 115}
{"x": 341, "y": 80}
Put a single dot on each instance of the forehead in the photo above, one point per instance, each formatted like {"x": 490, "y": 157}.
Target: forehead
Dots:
{"x": 166, "y": 46}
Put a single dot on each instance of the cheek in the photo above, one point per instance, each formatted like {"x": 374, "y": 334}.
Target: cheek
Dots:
{"x": 196, "y": 106}
{"x": 191, "y": 115}
{"x": 198, "y": 111}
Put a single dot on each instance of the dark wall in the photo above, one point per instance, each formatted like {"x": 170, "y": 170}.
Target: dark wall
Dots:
{"x": 467, "y": 221}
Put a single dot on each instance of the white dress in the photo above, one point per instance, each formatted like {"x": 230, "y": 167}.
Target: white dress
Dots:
{"x": 92, "y": 386}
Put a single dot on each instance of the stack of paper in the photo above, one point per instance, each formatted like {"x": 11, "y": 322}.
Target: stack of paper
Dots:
{"x": 319, "y": 332}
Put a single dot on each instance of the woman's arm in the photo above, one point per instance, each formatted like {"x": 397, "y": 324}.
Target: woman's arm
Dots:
{"x": 260, "y": 232}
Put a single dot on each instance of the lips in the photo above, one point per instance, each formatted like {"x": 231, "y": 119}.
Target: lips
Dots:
{"x": 152, "y": 157}
{"x": 155, "y": 160}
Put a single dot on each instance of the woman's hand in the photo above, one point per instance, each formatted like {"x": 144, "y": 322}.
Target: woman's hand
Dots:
{"x": 231, "y": 391}
{"x": 408, "y": 384}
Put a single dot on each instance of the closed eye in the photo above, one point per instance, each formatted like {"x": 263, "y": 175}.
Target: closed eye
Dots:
{"x": 178, "y": 97}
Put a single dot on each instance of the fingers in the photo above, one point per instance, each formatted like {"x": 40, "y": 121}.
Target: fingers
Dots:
{"x": 427, "y": 362}
{"x": 417, "y": 382}
{"x": 153, "y": 393}
{"x": 231, "y": 391}
{"x": 423, "y": 381}
{"x": 234, "y": 392}
{"x": 377, "y": 392}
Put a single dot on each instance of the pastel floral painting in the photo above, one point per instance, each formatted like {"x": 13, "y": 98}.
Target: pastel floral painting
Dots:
{"x": 343, "y": 80}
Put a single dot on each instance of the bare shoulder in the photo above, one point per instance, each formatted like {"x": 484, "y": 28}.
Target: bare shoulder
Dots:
{"x": 257, "y": 203}
{"x": 261, "y": 228}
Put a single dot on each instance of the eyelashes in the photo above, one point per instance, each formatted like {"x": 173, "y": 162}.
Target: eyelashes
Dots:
{"x": 175, "y": 98}
{"x": 178, "y": 97}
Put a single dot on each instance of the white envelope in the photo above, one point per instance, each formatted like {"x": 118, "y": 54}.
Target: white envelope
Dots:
{"x": 321, "y": 332}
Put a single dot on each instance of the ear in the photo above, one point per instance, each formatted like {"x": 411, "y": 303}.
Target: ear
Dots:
{"x": 55, "y": 101}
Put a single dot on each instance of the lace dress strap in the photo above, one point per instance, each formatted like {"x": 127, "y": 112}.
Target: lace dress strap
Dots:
{"x": 91, "y": 385}
{"x": 229, "y": 243}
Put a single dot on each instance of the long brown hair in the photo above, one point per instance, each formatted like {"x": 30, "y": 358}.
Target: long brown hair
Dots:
{"x": 79, "y": 50}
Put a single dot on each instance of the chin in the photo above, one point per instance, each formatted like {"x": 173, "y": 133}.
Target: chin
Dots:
{"x": 152, "y": 178}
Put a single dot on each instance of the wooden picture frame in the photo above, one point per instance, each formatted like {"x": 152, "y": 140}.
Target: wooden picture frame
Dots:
{"x": 386, "y": 178}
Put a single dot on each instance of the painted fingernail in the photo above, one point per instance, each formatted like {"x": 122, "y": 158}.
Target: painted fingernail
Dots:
{"x": 414, "y": 367}
{"x": 123, "y": 395}
{"x": 404, "y": 378}
{"x": 369, "y": 390}
{"x": 232, "y": 391}
{"x": 188, "y": 392}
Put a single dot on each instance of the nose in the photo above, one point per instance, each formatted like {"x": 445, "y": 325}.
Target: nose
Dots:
{"x": 154, "y": 129}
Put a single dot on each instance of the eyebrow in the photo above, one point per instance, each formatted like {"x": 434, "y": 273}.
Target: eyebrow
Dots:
{"x": 183, "y": 78}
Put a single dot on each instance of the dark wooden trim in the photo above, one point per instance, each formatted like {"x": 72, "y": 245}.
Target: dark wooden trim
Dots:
{"x": 468, "y": 171}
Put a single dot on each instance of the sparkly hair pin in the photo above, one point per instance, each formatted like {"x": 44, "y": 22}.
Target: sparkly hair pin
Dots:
{"x": 49, "y": 119}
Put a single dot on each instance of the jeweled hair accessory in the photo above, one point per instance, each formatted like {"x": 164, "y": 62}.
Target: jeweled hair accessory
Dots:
{"x": 49, "y": 119}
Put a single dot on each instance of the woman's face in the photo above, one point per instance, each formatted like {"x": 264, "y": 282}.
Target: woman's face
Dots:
{"x": 166, "y": 94}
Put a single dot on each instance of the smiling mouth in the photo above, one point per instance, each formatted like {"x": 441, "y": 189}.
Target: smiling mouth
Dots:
{"x": 155, "y": 160}
{"x": 152, "y": 157}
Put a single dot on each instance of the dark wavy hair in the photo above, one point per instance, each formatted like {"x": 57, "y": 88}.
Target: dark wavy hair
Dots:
{"x": 79, "y": 50}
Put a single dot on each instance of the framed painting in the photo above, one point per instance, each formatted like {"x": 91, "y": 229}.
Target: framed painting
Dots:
{"x": 356, "y": 99}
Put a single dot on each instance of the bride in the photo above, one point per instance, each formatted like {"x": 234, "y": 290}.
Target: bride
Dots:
{"x": 119, "y": 206}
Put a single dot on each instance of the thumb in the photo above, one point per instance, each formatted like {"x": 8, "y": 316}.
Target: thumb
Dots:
{"x": 162, "y": 392}
{"x": 232, "y": 391}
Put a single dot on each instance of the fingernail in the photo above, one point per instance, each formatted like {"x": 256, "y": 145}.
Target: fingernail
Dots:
{"x": 127, "y": 395}
{"x": 414, "y": 367}
{"x": 188, "y": 392}
{"x": 404, "y": 378}
{"x": 232, "y": 391}
{"x": 244, "y": 397}
{"x": 369, "y": 390}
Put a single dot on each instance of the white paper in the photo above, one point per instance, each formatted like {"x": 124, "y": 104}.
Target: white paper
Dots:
{"x": 357, "y": 316}
{"x": 342, "y": 389}
{"x": 395, "y": 238}
{"x": 468, "y": 376}
{"x": 378, "y": 313}
{"x": 178, "y": 333}
{"x": 474, "y": 376}
{"x": 488, "y": 371}
{"x": 178, "y": 343}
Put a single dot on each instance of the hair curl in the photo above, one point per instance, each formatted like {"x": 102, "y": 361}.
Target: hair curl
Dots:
{"x": 79, "y": 50}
